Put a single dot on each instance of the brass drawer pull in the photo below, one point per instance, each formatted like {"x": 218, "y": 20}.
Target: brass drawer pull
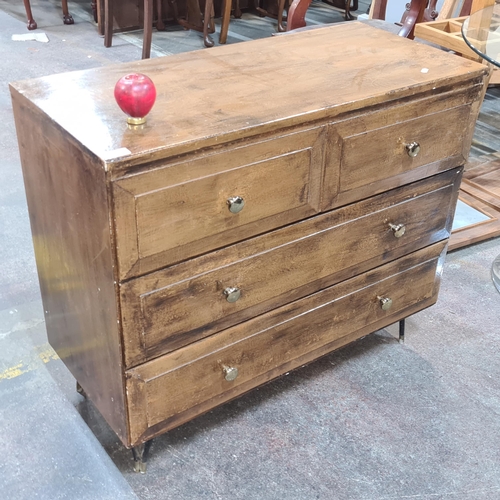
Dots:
{"x": 413, "y": 149}
{"x": 232, "y": 294}
{"x": 398, "y": 229}
{"x": 235, "y": 204}
{"x": 385, "y": 303}
{"x": 230, "y": 372}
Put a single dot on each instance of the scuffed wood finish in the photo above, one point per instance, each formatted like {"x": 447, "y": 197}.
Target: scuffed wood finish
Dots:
{"x": 170, "y": 390}
{"x": 136, "y": 247}
{"x": 192, "y": 113}
{"x": 174, "y": 307}
{"x": 69, "y": 215}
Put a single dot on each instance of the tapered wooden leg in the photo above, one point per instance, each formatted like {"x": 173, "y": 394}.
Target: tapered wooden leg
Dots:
{"x": 140, "y": 454}
{"x": 160, "y": 25}
{"x": 281, "y": 8}
{"x": 148, "y": 29}
{"x": 348, "y": 16}
{"x": 108, "y": 23}
{"x": 67, "y": 19}
{"x": 93, "y": 6}
{"x": 31, "y": 22}
{"x": 224, "y": 24}
{"x": 208, "y": 23}
{"x": 237, "y": 10}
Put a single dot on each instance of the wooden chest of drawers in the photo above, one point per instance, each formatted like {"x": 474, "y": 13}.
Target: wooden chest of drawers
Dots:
{"x": 283, "y": 199}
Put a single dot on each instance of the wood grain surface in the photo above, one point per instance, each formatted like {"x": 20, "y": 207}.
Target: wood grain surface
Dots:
{"x": 169, "y": 309}
{"x": 205, "y": 97}
{"x": 175, "y": 387}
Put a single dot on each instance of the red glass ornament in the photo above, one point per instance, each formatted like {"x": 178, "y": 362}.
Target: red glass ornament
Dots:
{"x": 135, "y": 94}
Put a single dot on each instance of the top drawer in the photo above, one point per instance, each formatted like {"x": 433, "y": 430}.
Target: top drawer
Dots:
{"x": 387, "y": 148}
{"x": 184, "y": 209}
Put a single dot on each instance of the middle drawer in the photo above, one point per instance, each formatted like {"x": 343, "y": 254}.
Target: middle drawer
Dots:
{"x": 176, "y": 306}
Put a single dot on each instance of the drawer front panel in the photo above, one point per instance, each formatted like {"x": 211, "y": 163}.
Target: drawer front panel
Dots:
{"x": 377, "y": 154}
{"x": 385, "y": 149}
{"x": 165, "y": 392}
{"x": 178, "y": 211}
{"x": 317, "y": 254}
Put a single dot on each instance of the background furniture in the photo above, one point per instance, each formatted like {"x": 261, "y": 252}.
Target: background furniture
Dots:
{"x": 67, "y": 19}
{"x": 414, "y": 14}
{"x": 481, "y": 31}
{"x": 123, "y": 15}
{"x": 226, "y": 242}
{"x": 480, "y": 184}
{"x": 447, "y": 32}
{"x": 148, "y": 24}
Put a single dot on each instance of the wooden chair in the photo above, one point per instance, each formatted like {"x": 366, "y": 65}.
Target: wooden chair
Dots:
{"x": 67, "y": 19}
{"x": 226, "y": 15}
{"x": 148, "y": 24}
{"x": 195, "y": 21}
{"x": 414, "y": 13}
{"x": 206, "y": 25}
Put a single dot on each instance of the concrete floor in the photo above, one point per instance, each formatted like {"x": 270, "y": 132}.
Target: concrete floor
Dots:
{"x": 375, "y": 420}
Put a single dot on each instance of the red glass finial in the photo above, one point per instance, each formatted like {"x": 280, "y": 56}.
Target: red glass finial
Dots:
{"x": 135, "y": 94}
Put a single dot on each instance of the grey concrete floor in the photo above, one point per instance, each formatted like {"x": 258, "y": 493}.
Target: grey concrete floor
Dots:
{"x": 375, "y": 420}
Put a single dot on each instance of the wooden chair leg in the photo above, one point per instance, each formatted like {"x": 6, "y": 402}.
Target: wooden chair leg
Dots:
{"x": 237, "y": 11}
{"x": 93, "y": 6}
{"x": 224, "y": 24}
{"x": 29, "y": 15}
{"x": 208, "y": 23}
{"x": 67, "y": 19}
{"x": 281, "y": 9}
{"x": 148, "y": 29}
{"x": 160, "y": 25}
{"x": 108, "y": 23}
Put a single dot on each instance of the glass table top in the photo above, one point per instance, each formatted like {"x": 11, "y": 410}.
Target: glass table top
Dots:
{"x": 481, "y": 32}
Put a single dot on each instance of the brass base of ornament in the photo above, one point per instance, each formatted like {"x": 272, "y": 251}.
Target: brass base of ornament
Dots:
{"x": 136, "y": 121}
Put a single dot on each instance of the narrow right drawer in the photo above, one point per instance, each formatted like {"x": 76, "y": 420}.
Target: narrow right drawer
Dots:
{"x": 387, "y": 148}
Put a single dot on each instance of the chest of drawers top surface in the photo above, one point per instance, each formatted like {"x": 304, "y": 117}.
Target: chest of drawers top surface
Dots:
{"x": 208, "y": 97}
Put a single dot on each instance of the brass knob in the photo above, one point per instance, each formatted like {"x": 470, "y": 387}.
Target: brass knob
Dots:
{"x": 385, "y": 303}
{"x": 232, "y": 293}
{"x": 230, "y": 372}
{"x": 398, "y": 229}
{"x": 235, "y": 204}
{"x": 413, "y": 149}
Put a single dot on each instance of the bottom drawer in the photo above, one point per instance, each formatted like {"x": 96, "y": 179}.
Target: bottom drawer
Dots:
{"x": 178, "y": 386}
